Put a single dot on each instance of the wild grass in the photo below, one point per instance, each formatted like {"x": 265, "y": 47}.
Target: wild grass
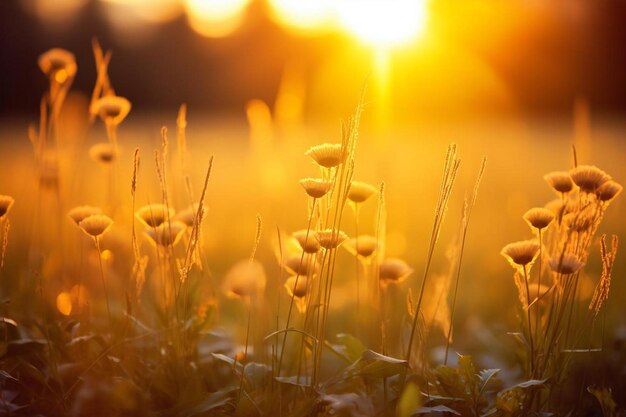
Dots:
{"x": 128, "y": 318}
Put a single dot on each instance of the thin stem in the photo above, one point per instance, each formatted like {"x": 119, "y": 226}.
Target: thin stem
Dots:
{"x": 530, "y": 331}
{"x": 104, "y": 284}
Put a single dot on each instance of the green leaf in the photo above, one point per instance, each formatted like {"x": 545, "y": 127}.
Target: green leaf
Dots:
{"x": 302, "y": 381}
{"x": 374, "y": 364}
{"x": 354, "y": 348}
{"x": 485, "y": 376}
{"x": 436, "y": 409}
{"x": 409, "y": 401}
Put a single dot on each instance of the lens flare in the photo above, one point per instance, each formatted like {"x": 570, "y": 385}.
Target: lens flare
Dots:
{"x": 215, "y": 18}
{"x": 303, "y": 16}
{"x": 383, "y": 23}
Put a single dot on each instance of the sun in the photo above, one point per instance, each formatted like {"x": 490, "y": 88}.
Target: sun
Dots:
{"x": 383, "y": 23}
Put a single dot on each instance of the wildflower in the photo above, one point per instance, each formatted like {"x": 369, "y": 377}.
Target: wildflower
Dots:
{"x": 566, "y": 264}
{"x": 327, "y": 155}
{"x": 79, "y": 213}
{"x": 393, "y": 271}
{"x": 58, "y": 64}
{"x": 608, "y": 191}
{"x": 307, "y": 241}
{"x": 580, "y": 221}
{"x": 111, "y": 109}
{"x": 188, "y": 215}
{"x": 316, "y": 188}
{"x": 588, "y": 177}
{"x": 330, "y": 239}
{"x": 297, "y": 291}
{"x": 364, "y": 246}
{"x": 560, "y": 181}
{"x": 154, "y": 215}
{"x": 166, "y": 234}
{"x": 521, "y": 253}
{"x": 360, "y": 192}
{"x": 297, "y": 287}
{"x": 96, "y": 224}
{"x": 6, "y": 202}
{"x": 301, "y": 265}
{"x": 102, "y": 152}
{"x": 245, "y": 279}
{"x": 539, "y": 217}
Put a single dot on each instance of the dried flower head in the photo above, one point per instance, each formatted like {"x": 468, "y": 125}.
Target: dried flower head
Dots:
{"x": 580, "y": 221}
{"x": 560, "y": 181}
{"x": 245, "y": 279}
{"x": 608, "y": 191}
{"x": 539, "y": 217}
{"x": 188, "y": 215}
{"x": 301, "y": 265}
{"x": 393, "y": 271}
{"x": 166, "y": 234}
{"x": 111, "y": 109}
{"x": 58, "y": 64}
{"x": 153, "y": 215}
{"x": 330, "y": 238}
{"x": 307, "y": 241}
{"x": 79, "y": 213}
{"x": 6, "y": 202}
{"x": 327, "y": 155}
{"x": 566, "y": 264}
{"x": 96, "y": 224}
{"x": 360, "y": 191}
{"x": 364, "y": 246}
{"x": 102, "y": 152}
{"x": 315, "y": 187}
{"x": 589, "y": 177}
{"x": 299, "y": 290}
{"x": 521, "y": 253}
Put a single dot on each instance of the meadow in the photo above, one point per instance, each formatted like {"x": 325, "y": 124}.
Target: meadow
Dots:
{"x": 175, "y": 264}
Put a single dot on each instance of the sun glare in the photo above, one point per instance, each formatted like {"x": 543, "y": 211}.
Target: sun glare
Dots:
{"x": 215, "y": 18}
{"x": 303, "y": 16}
{"x": 383, "y": 23}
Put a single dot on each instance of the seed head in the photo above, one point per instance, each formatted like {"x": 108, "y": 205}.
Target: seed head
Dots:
{"x": 166, "y": 234}
{"x": 309, "y": 243}
{"x": 327, "y": 155}
{"x": 539, "y": 217}
{"x": 79, "y": 213}
{"x": 6, "y": 202}
{"x": 58, "y": 65}
{"x": 361, "y": 191}
{"x": 154, "y": 215}
{"x": 566, "y": 264}
{"x": 111, "y": 109}
{"x": 102, "y": 152}
{"x": 364, "y": 246}
{"x": 96, "y": 224}
{"x": 520, "y": 253}
{"x": 560, "y": 181}
{"x": 393, "y": 271}
{"x": 588, "y": 177}
{"x": 315, "y": 187}
{"x": 330, "y": 238}
{"x": 608, "y": 191}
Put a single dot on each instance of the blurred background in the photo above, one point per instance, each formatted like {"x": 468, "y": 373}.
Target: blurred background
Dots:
{"x": 519, "y": 81}
{"x": 420, "y": 58}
